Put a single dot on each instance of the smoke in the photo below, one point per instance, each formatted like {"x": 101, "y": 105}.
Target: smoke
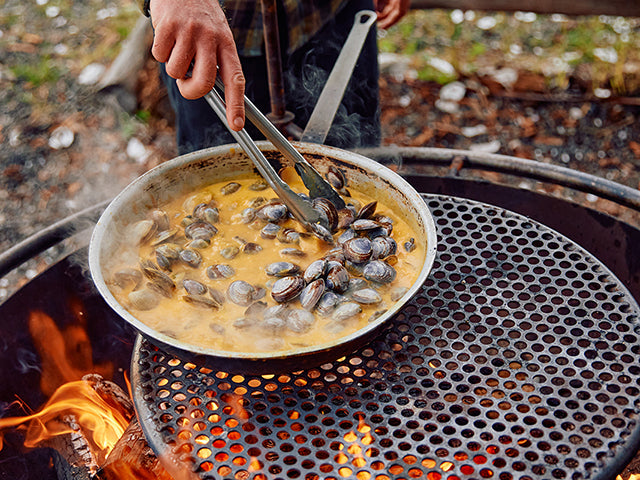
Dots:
{"x": 357, "y": 120}
{"x": 26, "y": 361}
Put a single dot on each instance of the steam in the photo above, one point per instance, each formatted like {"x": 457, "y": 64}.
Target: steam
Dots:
{"x": 26, "y": 360}
{"x": 357, "y": 121}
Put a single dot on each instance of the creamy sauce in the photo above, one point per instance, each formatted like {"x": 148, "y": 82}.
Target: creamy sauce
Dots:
{"x": 214, "y": 328}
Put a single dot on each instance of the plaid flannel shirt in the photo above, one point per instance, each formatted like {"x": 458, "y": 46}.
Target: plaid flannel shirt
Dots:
{"x": 304, "y": 19}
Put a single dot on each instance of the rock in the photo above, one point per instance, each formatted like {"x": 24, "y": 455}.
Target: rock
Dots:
{"x": 91, "y": 74}
{"x": 453, "y": 92}
{"x": 61, "y": 137}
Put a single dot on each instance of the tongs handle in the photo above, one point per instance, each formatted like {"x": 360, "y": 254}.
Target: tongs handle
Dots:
{"x": 317, "y": 186}
{"x": 301, "y": 208}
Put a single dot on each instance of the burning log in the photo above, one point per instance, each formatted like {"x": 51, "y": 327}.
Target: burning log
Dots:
{"x": 133, "y": 455}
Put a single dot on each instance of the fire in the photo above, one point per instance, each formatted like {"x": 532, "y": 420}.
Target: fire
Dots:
{"x": 74, "y": 403}
{"x": 65, "y": 354}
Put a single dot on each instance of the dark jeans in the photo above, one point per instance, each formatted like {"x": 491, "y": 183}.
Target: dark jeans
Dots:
{"x": 357, "y": 123}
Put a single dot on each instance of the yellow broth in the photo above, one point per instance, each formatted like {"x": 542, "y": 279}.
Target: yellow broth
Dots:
{"x": 214, "y": 328}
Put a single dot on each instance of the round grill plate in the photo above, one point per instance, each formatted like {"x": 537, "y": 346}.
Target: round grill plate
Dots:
{"x": 518, "y": 359}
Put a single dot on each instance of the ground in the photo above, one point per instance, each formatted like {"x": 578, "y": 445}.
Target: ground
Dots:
{"x": 583, "y": 117}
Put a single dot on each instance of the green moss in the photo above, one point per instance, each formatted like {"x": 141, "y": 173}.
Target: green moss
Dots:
{"x": 38, "y": 73}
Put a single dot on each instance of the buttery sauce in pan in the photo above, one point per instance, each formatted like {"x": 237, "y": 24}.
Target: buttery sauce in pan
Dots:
{"x": 214, "y": 288}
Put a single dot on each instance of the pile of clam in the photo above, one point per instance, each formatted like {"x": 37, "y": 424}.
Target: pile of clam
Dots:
{"x": 358, "y": 262}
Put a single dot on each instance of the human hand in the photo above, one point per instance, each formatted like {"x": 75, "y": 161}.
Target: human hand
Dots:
{"x": 390, "y": 11}
{"x": 196, "y": 32}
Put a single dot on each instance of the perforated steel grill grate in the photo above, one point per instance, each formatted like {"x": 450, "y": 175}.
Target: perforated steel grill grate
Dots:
{"x": 518, "y": 359}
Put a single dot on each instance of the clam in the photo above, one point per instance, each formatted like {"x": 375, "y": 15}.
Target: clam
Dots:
{"x": 278, "y": 310}
{"x": 163, "y": 236}
{"x": 242, "y": 293}
{"x": 327, "y": 208}
{"x": 217, "y": 295}
{"x": 161, "y": 219}
{"x": 379, "y": 271}
{"x": 322, "y": 233}
{"x": 355, "y": 269}
{"x": 376, "y": 315}
{"x": 367, "y": 211}
{"x": 299, "y": 321}
{"x": 310, "y": 294}
{"x": 346, "y": 217}
{"x": 161, "y": 288}
{"x": 315, "y": 270}
{"x": 243, "y": 322}
{"x": 219, "y": 271}
{"x": 273, "y": 324}
{"x": 217, "y": 329}
{"x": 194, "y": 287}
{"x": 345, "y": 311}
{"x": 336, "y": 178}
{"x": 286, "y": 289}
{"x": 327, "y": 303}
{"x": 247, "y": 215}
{"x": 292, "y": 252}
{"x": 337, "y": 278}
{"x": 160, "y": 282}
{"x": 366, "y": 296}
{"x": 335, "y": 255}
{"x": 187, "y": 220}
{"x": 270, "y": 231}
{"x": 358, "y": 249}
{"x": 282, "y": 269}
{"x": 357, "y": 284}
{"x": 201, "y": 301}
{"x": 198, "y": 243}
{"x": 142, "y": 231}
{"x": 190, "y": 257}
{"x": 383, "y": 247}
{"x": 127, "y": 278}
{"x": 200, "y": 230}
{"x": 207, "y": 212}
{"x": 230, "y": 188}
{"x": 256, "y": 310}
{"x": 410, "y": 245}
{"x": 385, "y": 221}
{"x": 345, "y": 236}
{"x": 288, "y": 235}
{"x": 364, "y": 225}
{"x": 144, "y": 299}
{"x": 230, "y": 252}
{"x": 251, "y": 248}
{"x": 256, "y": 202}
{"x": 258, "y": 185}
{"x": 273, "y": 212}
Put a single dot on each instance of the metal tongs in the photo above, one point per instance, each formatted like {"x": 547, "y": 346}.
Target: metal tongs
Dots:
{"x": 301, "y": 208}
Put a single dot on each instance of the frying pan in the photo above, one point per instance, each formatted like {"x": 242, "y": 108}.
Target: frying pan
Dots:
{"x": 193, "y": 171}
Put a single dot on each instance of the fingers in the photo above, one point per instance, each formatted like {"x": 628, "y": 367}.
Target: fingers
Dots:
{"x": 202, "y": 78}
{"x": 391, "y": 11}
{"x": 234, "y": 83}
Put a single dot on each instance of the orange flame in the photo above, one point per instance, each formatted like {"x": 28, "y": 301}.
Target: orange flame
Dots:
{"x": 66, "y": 355}
{"x": 100, "y": 423}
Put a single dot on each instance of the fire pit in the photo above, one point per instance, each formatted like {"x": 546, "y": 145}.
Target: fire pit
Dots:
{"x": 517, "y": 359}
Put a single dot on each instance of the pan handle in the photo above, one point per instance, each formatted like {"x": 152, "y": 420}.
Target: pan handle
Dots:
{"x": 333, "y": 91}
